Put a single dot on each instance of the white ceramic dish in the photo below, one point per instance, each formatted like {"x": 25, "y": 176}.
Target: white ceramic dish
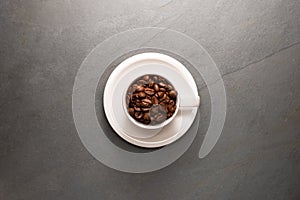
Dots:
{"x": 120, "y": 79}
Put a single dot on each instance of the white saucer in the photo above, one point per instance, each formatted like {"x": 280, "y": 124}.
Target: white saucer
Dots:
{"x": 121, "y": 78}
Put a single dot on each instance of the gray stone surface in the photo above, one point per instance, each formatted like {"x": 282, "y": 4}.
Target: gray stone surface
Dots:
{"x": 256, "y": 45}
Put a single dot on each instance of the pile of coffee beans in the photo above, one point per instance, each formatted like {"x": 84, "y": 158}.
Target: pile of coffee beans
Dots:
{"x": 151, "y": 99}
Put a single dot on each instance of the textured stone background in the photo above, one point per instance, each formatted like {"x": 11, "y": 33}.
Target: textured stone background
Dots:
{"x": 256, "y": 46}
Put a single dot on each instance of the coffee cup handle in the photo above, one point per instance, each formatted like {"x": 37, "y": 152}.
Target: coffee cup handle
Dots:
{"x": 189, "y": 102}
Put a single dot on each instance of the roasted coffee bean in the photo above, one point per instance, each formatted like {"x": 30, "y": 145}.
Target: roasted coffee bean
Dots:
{"x": 134, "y": 86}
{"x": 166, "y": 100}
{"x": 138, "y": 109}
{"x": 149, "y": 91}
{"x": 160, "y": 94}
{"x": 138, "y": 115}
{"x": 146, "y": 77}
{"x": 139, "y": 88}
{"x": 142, "y": 94}
{"x": 146, "y": 104}
{"x": 154, "y": 100}
{"x": 137, "y": 102}
{"x": 151, "y": 83}
{"x": 147, "y": 116}
{"x": 169, "y": 87}
{"x": 162, "y": 89}
{"x": 147, "y": 101}
{"x": 172, "y": 94}
{"x": 142, "y": 82}
{"x": 131, "y": 111}
{"x": 156, "y": 87}
{"x": 164, "y": 96}
{"x": 161, "y": 84}
{"x": 171, "y": 102}
{"x": 145, "y": 109}
{"x": 134, "y": 97}
{"x": 172, "y": 109}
